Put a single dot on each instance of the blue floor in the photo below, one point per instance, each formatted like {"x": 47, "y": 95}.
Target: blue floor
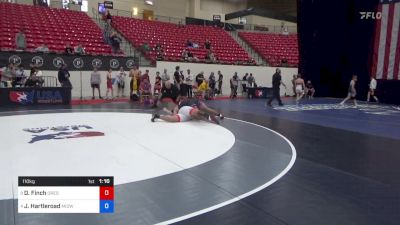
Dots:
{"x": 375, "y": 119}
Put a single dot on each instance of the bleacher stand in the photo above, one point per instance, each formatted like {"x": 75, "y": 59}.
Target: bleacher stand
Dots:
{"x": 276, "y": 49}
{"x": 53, "y": 27}
{"x": 173, "y": 39}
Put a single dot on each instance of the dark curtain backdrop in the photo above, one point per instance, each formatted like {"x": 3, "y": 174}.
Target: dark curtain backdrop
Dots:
{"x": 335, "y": 43}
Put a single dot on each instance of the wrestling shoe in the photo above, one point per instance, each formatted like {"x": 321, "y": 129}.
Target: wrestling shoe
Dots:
{"x": 154, "y": 117}
{"x": 213, "y": 119}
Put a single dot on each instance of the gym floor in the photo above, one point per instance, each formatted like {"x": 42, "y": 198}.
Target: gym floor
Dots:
{"x": 313, "y": 163}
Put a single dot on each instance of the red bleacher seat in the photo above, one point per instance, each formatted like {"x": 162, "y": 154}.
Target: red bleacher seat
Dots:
{"x": 54, "y": 27}
{"x": 274, "y": 47}
{"x": 173, "y": 39}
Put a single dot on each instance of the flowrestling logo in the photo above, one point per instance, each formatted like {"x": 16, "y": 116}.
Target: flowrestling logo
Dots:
{"x": 370, "y": 15}
{"x": 22, "y": 97}
{"x": 61, "y": 132}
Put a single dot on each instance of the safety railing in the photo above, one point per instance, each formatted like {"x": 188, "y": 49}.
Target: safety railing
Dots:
{"x": 49, "y": 81}
{"x": 269, "y": 28}
{"x": 125, "y": 45}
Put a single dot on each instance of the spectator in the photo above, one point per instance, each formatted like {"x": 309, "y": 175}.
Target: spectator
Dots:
{"x": 251, "y": 62}
{"x": 115, "y": 42}
{"x": 145, "y": 48}
{"x": 158, "y": 75}
{"x": 108, "y": 17}
{"x": 220, "y": 78}
{"x": 34, "y": 80}
{"x": 310, "y": 91}
{"x": 177, "y": 77}
{"x": 39, "y": 76}
{"x": 294, "y": 85}
{"x": 211, "y": 84}
{"x": 182, "y": 85}
{"x": 189, "y": 84}
{"x": 202, "y": 89}
{"x": 33, "y": 69}
{"x": 136, "y": 83}
{"x": 160, "y": 55}
{"x": 145, "y": 76}
{"x": 244, "y": 82}
{"x": 180, "y": 25}
{"x": 213, "y": 58}
{"x": 184, "y": 55}
{"x": 191, "y": 57}
{"x": 65, "y": 4}
{"x": 157, "y": 84}
{"x": 133, "y": 73}
{"x": 189, "y": 43}
{"x": 79, "y": 50}
{"x": 165, "y": 77}
{"x": 159, "y": 52}
{"x": 20, "y": 40}
{"x": 195, "y": 45}
{"x": 207, "y": 44}
{"x": 95, "y": 80}
{"x": 251, "y": 81}
{"x": 158, "y": 47}
{"x": 284, "y": 62}
{"x": 19, "y": 77}
{"x": 199, "y": 78}
{"x": 234, "y": 85}
{"x": 182, "y": 77}
{"x": 208, "y": 57}
{"x": 109, "y": 85}
{"x": 8, "y": 75}
{"x": 68, "y": 49}
{"x": 42, "y": 48}
{"x": 121, "y": 82}
{"x": 63, "y": 76}
{"x": 107, "y": 35}
{"x": 285, "y": 31}
{"x": 145, "y": 89}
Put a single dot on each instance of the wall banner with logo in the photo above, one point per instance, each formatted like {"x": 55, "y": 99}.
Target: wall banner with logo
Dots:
{"x": 52, "y": 61}
{"x": 35, "y": 96}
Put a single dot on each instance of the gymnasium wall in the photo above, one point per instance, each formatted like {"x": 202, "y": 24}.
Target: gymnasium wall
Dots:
{"x": 205, "y": 9}
{"x": 202, "y": 9}
{"x": 170, "y": 8}
{"x": 264, "y": 21}
{"x": 27, "y": 2}
{"x": 263, "y": 76}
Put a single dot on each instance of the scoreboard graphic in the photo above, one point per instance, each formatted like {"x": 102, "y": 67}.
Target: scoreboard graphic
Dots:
{"x": 65, "y": 194}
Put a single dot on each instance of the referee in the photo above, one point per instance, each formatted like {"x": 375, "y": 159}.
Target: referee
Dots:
{"x": 276, "y": 83}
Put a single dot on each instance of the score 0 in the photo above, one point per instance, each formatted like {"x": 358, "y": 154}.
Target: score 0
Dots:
{"x": 106, "y": 197}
